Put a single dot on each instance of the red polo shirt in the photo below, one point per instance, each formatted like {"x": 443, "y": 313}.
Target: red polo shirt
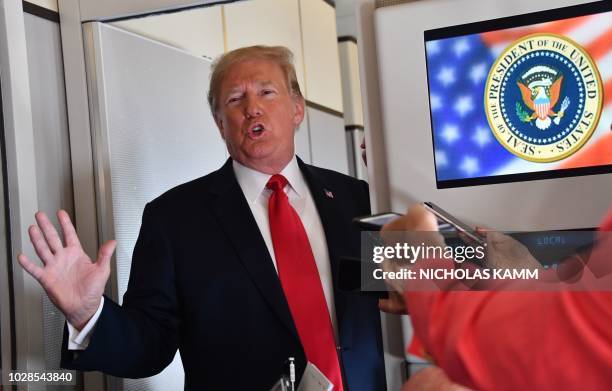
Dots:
{"x": 519, "y": 340}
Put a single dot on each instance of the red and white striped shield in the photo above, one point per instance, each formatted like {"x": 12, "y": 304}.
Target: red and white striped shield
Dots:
{"x": 542, "y": 109}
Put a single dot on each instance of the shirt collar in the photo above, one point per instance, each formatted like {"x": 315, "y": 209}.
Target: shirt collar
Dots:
{"x": 253, "y": 182}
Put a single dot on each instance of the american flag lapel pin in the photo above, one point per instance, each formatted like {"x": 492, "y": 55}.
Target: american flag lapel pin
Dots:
{"x": 328, "y": 193}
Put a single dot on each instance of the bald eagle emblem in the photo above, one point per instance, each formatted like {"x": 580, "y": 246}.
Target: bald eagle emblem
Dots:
{"x": 540, "y": 89}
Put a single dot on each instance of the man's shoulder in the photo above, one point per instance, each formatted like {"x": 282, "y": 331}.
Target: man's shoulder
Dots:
{"x": 355, "y": 192}
{"x": 185, "y": 194}
{"x": 334, "y": 177}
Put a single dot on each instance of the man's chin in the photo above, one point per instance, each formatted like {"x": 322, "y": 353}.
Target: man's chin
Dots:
{"x": 265, "y": 161}
{"x": 260, "y": 154}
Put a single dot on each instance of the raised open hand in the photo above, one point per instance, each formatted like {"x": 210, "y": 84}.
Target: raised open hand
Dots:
{"x": 73, "y": 282}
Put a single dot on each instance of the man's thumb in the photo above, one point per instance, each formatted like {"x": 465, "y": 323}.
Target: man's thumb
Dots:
{"x": 106, "y": 252}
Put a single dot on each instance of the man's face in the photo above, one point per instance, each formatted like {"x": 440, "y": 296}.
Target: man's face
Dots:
{"x": 257, "y": 115}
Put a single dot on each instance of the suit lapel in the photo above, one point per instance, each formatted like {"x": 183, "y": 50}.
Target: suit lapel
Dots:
{"x": 235, "y": 216}
{"x": 334, "y": 225}
{"x": 323, "y": 196}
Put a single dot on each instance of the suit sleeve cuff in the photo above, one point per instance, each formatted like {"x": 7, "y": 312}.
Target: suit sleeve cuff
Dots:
{"x": 79, "y": 340}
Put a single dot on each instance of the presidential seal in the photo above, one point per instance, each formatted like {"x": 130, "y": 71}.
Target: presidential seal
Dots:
{"x": 543, "y": 97}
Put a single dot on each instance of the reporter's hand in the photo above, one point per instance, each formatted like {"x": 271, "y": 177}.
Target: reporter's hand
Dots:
{"x": 431, "y": 379}
{"x": 72, "y": 281}
{"x": 505, "y": 252}
{"x": 394, "y": 304}
{"x": 417, "y": 227}
{"x": 417, "y": 219}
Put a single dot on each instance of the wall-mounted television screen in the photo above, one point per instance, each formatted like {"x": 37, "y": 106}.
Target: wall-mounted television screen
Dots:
{"x": 522, "y": 98}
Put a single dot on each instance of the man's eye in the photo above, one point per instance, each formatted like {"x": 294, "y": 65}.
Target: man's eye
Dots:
{"x": 268, "y": 92}
{"x": 233, "y": 100}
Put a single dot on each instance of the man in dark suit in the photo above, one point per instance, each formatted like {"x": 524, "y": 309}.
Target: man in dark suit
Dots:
{"x": 236, "y": 269}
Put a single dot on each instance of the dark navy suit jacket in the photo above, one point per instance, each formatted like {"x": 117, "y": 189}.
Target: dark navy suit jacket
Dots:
{"x": 202, "y": 281}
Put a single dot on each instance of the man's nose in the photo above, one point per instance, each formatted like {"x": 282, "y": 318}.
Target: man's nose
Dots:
{"x": 252, "y": 108}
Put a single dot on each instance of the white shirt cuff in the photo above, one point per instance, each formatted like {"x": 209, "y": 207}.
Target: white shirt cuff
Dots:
{"x": 79, "y": 340}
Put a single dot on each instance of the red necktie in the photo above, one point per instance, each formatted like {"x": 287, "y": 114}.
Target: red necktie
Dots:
{"x": 301, "y": 283}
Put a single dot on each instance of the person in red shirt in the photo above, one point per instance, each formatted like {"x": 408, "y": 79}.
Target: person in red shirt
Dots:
{"x": 510, "y": 340}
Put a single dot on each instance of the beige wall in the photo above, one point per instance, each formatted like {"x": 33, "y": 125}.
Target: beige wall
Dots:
{"x": 307, "y": 27}
{"x": 320, "y": 51}
{"x": 198, "y": 31}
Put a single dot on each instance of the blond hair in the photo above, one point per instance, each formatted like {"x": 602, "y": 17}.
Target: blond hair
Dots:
{"x": 278, "y": 54}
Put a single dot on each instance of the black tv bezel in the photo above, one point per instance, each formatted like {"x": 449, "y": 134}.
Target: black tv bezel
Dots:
{"x": 503, "y": 24}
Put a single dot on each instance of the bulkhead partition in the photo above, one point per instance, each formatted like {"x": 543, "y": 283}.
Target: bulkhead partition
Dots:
{"x": 152, "y": 130}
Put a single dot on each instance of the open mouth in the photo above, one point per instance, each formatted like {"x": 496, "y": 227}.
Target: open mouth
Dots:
{"x": 256, "y": 130}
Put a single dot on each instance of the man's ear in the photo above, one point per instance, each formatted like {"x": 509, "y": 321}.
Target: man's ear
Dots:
{"x": 219, "y": 123}
{"x": 299, "y": 107}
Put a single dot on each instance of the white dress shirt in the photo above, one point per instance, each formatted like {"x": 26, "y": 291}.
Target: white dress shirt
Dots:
{"x": 253, "y": 185}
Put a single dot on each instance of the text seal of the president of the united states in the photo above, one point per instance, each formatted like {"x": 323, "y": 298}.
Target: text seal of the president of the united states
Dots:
{"x": 543, "y": 97}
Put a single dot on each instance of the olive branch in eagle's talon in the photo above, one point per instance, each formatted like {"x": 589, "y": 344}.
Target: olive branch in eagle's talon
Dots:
{"x": 522, "y": 114}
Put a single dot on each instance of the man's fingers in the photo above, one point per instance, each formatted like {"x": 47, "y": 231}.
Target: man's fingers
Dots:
{"x": 40, "y": 245}
{"x": 421, "y": 219}
{"x": 391, "y": 307}
{"x": 47, "y": 228}
{"x": 394, "y": 304}
{"x": 496, "y": 238}
{"x": 417, "y": 226}
{"x": 424, "y": 219}
{"x": 467, "y": 239}
{"x": 491, "y": 236}
{"x": 31, "y": 268}
{"x": 70, "y": 235}
{"x": 416, "y": 219}
{"x": 106, "y": 252}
